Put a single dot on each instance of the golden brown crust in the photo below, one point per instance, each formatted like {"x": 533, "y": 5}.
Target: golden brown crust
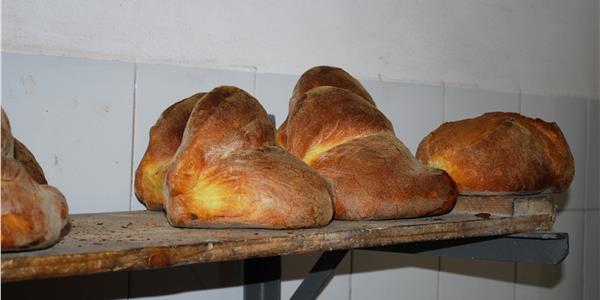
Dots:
{"x": 309, "y": 135}
{"x": 165, "y": 138}
{"x": 500, "y": 153}
{"x": 26, "y": 158}
{"x": 33, "y": 215}
{"x": 7, "y": 138}
{"x": 322, "y": 76}
{"x": 329, "y": 76}
{"x": 352, "y": 144}
{"x": 228, "y": 172}
{"x": 375, "y": 177}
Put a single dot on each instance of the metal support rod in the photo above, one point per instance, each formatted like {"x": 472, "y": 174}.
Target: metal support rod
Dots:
{"x": 262, "y": 278}
{"x": 319, "y": 276}
{"x": 537, "y": 248}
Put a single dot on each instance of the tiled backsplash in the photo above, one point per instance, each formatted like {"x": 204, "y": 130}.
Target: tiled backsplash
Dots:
{"x": 87, "y": 122}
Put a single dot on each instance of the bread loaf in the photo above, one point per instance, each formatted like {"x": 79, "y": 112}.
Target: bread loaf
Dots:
{"x": 322, "y": 76}
{"x": 26, "y": 158}
{"x": 33, "y": 213}
{"x": 165, "y": 137}
{"x": 338, "y": 130}
{"x": 500, "y": 153}
{"x": 228, "y": 171}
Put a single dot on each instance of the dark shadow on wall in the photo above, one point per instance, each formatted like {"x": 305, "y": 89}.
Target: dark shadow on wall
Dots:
{"x": 185, "y": 279}
{"x": 134, "y": 284}
{"x": 546, "y": 276}
{"x": 170, "y": 281}
{"x": 88, "y": 287}
{"x": 298, "y": 266}
{"x": 562, "y": 199}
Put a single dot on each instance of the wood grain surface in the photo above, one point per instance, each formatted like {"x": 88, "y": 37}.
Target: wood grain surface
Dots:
{"x": 144, "y": 240}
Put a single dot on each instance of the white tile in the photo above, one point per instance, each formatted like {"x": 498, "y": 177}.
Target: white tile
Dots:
{"x": 563, "y": 281}
{"x": 592, "y": 164}
{"x": 274, "y": 92}
{"x": 158, "y": 86}
{"x": 382, "y": 275}
{"x": 415, "y": 110}
{"x": 591, "y": 256}
{"x": 570, "y": 115}
{"x": 89, "y": 287}
{"x": 294, "y": 269}
{"x": 201, "y": 281}
{"x": 75, "y": 116}
{"x": 464, "y": 279}
{"x": 464, "y": 103}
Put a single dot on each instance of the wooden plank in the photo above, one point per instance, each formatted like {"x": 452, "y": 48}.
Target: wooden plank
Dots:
{"x": 505, "y": 205}
{"x": 144, "y": 240}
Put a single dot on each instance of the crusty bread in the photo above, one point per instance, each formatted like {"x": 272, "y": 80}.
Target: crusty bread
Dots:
{"x": 228, "y": 172}
{"x": 500, "y": 153}
{"x": 343, "y": 136}
{"x": 165, "y": 137}
{"x": 8, "y": 143}
{"x": 322, "y": 76}
{"x": 33, "y": 213}
{"x": 26, "y": 158}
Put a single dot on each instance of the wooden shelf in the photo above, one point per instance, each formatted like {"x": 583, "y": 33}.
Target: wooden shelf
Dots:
{"x": 144, "y": 240}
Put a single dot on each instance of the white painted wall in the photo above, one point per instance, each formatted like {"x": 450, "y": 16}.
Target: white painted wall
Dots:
{"x": 536, "y": 46}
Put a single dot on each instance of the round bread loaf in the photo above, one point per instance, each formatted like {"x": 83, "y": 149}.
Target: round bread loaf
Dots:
{"x": 500, "y": 153}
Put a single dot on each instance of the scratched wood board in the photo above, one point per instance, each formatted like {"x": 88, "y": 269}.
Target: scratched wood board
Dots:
{"x": 138, "y": 240}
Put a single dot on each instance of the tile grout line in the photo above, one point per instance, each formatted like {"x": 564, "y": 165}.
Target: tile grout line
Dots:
{"x": 520, "y": 100}
{"x": 585, "y": 192}
{"x": 444, "y": 102}
{"x": 515, "y": 270}
{"x": 515, "y": 264}
{"x": 254, "y": 82}
{"x": 439, "y": 259}
{"x": 350, "y": 275}
{"x": 439, "y": 270}
{"x": 133, "y": 113}
{"x": 129, "y": 273}
{"x": 578, "y": 209}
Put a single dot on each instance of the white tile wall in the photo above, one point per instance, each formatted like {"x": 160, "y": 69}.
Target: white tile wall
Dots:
{"x": 464, "y": 279}
{"x": 274, "y": 92}
{"x": 68, "y": 110}
{"x": 592, "y": 162}
{"x": 294, "y": 269}
{"x": 75, "y": 116}
{"x": 382, "y": 275}
{"x": 461, "y": 103}
{"x": 570, "y": 115}
{"x": 415, "y": 110}
{"x": 562, "y": 281}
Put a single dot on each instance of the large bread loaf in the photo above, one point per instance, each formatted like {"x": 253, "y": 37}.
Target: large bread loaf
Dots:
{"x": 334, "y": 126}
